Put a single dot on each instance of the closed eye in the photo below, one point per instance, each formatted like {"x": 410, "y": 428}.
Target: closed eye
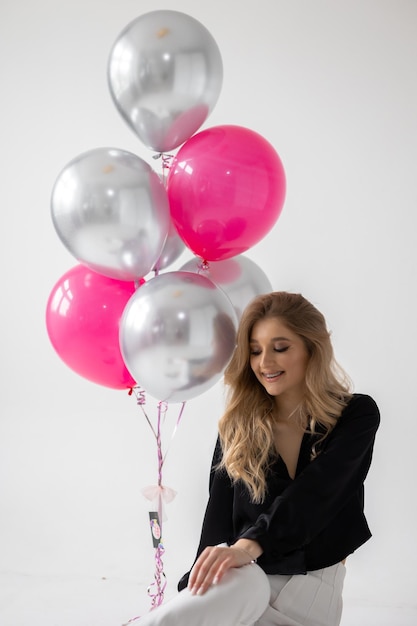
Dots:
{"x": 258, "y": 352}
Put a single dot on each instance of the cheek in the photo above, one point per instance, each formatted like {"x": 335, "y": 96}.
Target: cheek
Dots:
{"x": 253, "y": 371}
{"x": 304, "y": 364}
{"x": 300, "y": 365}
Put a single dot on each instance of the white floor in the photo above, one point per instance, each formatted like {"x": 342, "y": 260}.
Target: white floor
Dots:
{"x": 54, "y": 601}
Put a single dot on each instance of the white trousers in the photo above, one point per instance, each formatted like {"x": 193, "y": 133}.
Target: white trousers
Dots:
{"x": 246, "y": 596}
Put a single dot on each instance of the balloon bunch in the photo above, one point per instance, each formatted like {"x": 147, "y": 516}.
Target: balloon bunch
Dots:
{"x": 115, "y": 319}
{"x": 223, "y": 192}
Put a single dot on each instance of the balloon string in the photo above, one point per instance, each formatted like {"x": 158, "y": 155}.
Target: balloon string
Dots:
{"x": 162, "y": 409}
{"x": 140, "y": 395}
{"x": 157, "y": 596}
{"x": 160, "y": 579}
{"x": 156, "y": 590}
{"x": 177, "y": 423}
{"x": 131, "y": 620}
{"x": 166, "y": 160}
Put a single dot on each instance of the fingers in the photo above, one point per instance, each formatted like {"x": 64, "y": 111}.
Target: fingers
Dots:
{"x": 204, "y": 571}
{"x": 211, "y": 566}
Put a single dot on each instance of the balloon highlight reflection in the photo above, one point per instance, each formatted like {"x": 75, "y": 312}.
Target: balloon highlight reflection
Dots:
{"x": 111, "y": 211}
{"x": 165, "y": 74}
{"x": 177, "y": 335}
{"x": 83, "y": 315}
{"x": 226, "y": 189}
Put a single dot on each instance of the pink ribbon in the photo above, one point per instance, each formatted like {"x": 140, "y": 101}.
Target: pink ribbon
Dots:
{"x": 153, "y": 492}
{"x": 158, "y": 495}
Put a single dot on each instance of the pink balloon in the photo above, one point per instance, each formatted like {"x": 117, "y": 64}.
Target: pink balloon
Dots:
{"x": 226, "y": 189}
{"x": 82, "y": 319}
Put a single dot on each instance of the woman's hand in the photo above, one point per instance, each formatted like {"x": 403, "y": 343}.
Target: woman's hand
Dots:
{"x": 214, "y": 562}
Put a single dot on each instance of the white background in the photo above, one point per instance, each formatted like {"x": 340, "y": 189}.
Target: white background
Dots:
{"x": 333, "y": 86}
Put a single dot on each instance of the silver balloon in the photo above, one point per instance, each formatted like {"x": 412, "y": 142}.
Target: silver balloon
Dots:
{"x": 177, "y": 334}
{"x": 239, "y": 277}
{"x": 111, "y": 211}
{"x": 165, "y": 74}
{"x": 173, "y": 248}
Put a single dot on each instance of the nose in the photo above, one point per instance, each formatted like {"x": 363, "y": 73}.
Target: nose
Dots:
{"x": 265, "y": 360}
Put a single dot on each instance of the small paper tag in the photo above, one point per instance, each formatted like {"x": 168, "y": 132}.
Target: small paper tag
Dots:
{"x": 155, "y": 528}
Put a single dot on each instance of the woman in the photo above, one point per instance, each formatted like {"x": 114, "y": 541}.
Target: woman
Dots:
{"x": 286, "y": 487}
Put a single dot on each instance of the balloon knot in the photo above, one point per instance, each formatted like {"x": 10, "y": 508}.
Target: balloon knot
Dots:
{"x": 204, "y": 265}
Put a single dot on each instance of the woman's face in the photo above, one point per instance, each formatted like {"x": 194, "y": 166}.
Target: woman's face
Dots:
{"x": 278, "y": 358}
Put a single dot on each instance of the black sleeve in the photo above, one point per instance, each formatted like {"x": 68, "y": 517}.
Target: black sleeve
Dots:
{"x": 317, "y": 494}
{"x": 218, "y": 520}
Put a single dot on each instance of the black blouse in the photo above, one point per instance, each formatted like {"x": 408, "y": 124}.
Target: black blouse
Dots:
{"x": 311, "y": 521}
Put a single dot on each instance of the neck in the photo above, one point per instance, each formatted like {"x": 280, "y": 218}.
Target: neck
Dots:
{"x": 285, "y": 411}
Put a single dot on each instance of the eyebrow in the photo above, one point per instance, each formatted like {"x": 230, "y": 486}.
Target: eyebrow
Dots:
{"x": 273, "y": 339}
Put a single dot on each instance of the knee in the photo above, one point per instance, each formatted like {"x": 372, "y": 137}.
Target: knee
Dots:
{"x": 252, "y": 584}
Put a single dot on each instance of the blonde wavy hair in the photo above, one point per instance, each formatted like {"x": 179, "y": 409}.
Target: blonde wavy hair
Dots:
{"x": 246, "y": 428}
